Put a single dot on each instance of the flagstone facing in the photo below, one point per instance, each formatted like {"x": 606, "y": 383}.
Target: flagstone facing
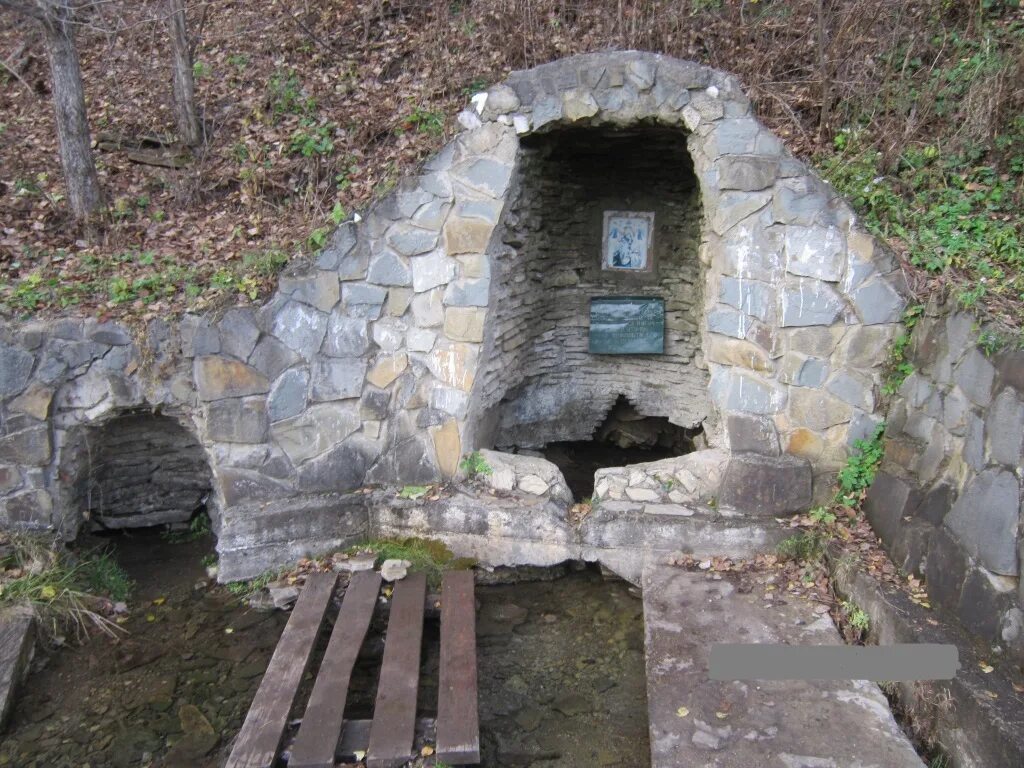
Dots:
{"x": 381, "y": 359}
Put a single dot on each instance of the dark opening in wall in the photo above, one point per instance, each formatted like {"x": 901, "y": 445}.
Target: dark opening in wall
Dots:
{"x": 139, "y": 469}
{"x": 540, "y": 383}
{"x": 624, "y": 437}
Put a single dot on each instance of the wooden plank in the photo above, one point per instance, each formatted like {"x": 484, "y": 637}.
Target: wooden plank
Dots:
{"x": 321, "y": 725}
{"x": 259, "y": 740}
{"x": 394, "y": 714}
{"x": 355, "y": 738}
{"x": 458, "y": 726}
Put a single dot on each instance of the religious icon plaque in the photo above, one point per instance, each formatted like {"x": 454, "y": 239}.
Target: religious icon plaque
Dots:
{"x": 627, "y": 241}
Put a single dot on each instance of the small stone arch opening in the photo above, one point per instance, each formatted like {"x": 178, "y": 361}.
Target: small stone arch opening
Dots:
{"x": 541, "y": 383}
{"x": 624, "y": 437}
{"x": 139, "y": 469}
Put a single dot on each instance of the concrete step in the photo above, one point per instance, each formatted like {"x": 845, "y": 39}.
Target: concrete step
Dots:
{"x": 696, "y": 721}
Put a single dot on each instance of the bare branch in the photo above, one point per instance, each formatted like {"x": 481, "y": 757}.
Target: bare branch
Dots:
{"x": 24, "y": 8}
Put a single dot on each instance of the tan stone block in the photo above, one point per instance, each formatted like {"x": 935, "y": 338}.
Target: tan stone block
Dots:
{"x": 398, "y": 301}
{"x": 861, "y": 245}
{"x": 464, "y": 323}
{"x": 865, "y": 346}
{"x": 219, "y": 377}
{"x": 474, "y": 265}
{"x": 466, "y": 235}
{"x": 815, "y": 409}
{"x": 805, "y": 443}
{"x": 737, "y": 352}
{"x": 455, "y": 365}
{"x": 35, "y": 401}
{"x": 448, "y": 446}
{"x": 815, "y": 341}
{"x": 387, "y": 369}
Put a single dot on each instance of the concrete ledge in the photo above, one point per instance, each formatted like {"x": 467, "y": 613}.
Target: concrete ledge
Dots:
{"x": 977, "y": 730}
{"x": 255, "y": 538}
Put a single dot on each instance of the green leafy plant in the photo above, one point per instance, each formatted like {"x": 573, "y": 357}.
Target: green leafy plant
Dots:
{"x": 198, "y": 528}
{"x": 857, "y": 617}
{"x": 424, "y": 121}
{"x": 898, "y": 366}
{"x": 859, "y": 472}
{"x": 414, "y": 492}
{"x": 286, "y": 96}
{"x": 475, "y": 465}
{"x": 312, "y": 138}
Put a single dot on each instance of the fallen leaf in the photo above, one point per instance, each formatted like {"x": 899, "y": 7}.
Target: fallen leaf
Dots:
{"x": 427, "y": 751}
{"x": 985, "y": 667}
{"x": 682, "y": 712}
{"x": 160, "y": 601}
{"x": 721, "y": 715}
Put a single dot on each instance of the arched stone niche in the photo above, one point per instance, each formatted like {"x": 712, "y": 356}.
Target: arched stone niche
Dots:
{"x": 539, "y": 382}
{"x": 133, "y": 469}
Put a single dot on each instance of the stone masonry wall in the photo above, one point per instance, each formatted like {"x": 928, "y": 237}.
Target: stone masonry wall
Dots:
{"x": 366, "y": 366}
{"x": 947, "y": 502}
{"x": 547, "y": 385}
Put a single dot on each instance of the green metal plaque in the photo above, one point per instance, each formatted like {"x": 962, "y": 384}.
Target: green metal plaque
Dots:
{"x": 627, "y": 325}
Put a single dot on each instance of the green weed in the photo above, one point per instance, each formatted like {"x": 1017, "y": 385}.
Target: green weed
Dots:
{"x": 62, "y": 591}
{"x": 475, "y": 465}
{"x": 198, "y": 528}
{"x": 425, "y": 555}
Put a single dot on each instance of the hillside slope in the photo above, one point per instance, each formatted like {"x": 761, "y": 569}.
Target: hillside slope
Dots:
{"x": 914, "y": 109}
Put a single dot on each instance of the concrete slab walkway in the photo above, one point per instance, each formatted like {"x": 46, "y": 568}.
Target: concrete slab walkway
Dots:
{"x": 696, "y": 722}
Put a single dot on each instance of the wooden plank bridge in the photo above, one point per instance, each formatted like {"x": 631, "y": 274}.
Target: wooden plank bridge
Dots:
{"x": 388, "y": 738}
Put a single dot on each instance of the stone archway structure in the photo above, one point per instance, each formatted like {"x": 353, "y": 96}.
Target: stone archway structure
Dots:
{"x": 398, "y": 349}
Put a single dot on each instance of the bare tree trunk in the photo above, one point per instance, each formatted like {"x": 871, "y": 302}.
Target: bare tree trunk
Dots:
{"x": 825, "y": 118}
{"x": 69, "y": 105}
{"x": 189, "y": 128}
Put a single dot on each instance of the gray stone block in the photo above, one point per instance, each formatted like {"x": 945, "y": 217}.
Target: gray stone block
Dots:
{"x": 766, "y": 486}
{"x": 271, "y": 357}
{"x": 817, "y": 252}
{"x": 809, "y": 302}
{"x": 338, "y": 378}
{"x": 374, "y": 404}
{"x": 985, "y": 520}
{"x": 876, "y": 301}
{"x": 110, "y": 333}
{"x": 751, "y": 296}
{"x": 237, "y": 420}
{"x": 888, "y": 500}
{"x": 346, "y": 336}
{"x": 408, "y": 240}
{"x": 467, "y": 293}
{"x": 747, "y": 173}
{"x": 751, "y": 434}
{"x": 974, "y": 374}
{"x": 301, "y": 328}
{"x": 390, "y": 269}
{"x": 946, "y": 569}
{"x": 853, "y": 389}
{"x": 984, "y": 597}
{"x": 343, "y": 241}
{"x": 289, "y": 394}
{"x": 342, "y": 468}
{"x": 1004, "y": 425}
{"x": 238, "y": 333}
{"x": 15, "y": 369}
